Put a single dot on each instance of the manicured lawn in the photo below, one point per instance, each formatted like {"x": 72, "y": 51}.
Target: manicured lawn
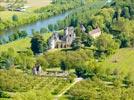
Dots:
{"x": 123, "y": 60}
{"x": 21, "y": 44}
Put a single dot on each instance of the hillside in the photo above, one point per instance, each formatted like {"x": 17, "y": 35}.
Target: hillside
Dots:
{"x": 67, "y": 50}
{"x": 123, "y": 60}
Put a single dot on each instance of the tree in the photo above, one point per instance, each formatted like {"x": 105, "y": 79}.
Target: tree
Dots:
{"x": 63, "y": 65}
{"x": 105, "y": 43}
{"x": 53, "y": 1}
{"x": 37, "y": 44}
{"x": 11, "y": 38}
{"x": 71, "y": 77}
{"x": 1, "y": 42}
{"x": 116, "y": 14}
{"x": 50, "y": 27}
{"x": 98, "y": 21}
{"x": 45, "y": 46}
{"x": 15, "y": 18}
{"x": 76, "y": 44}
{"x": 78, "y": 31}
{"x": 82, "y": 2}
{"x": 61, "y": 24}
{"x": 16, "y": 36}
{"x": 124, "y": 40}
{"x": 86, "y": 70}
{"x": 125, "y": 12}
{"x": 89, "y": 28}
{"x": 7, "y": 59}
{"x": 74, "y": 22}
{"x": 132, "y": 41}
{"x": 80, "y": 71}
{"x": 87, "y": 40}
{"x": 55, "y": 27}
{"x": 4, "y": 95}
{"x": 43, "y": 62}
{"x": 25, "y": 60}
{"x": 22, "y": 34}
{"x": 43, "y": 30}
{"x": 132, "y": 11}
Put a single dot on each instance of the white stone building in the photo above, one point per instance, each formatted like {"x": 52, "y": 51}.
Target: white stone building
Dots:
{"x": 65, "y": 41}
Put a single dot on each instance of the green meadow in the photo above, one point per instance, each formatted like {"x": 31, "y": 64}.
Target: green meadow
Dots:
{"x": 122, "y": 60}
{"x": 21, "y": 44}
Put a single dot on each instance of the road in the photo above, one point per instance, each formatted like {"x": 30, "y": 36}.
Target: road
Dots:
{"x": 76, "y": 80}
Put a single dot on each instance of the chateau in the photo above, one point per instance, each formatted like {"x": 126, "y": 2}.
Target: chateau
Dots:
{"x": 94, "y": 33}
{"x": 65, "y": 41}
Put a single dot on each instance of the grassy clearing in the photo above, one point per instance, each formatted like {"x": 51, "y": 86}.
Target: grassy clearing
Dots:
{"x": 7, "y": 15}
{"x": 123, "y": 60}
{"x": 21, "y": 44}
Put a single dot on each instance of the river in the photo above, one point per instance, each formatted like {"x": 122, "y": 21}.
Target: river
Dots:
{"x": 39, "y": 24}
{"x": 36, "y": 26}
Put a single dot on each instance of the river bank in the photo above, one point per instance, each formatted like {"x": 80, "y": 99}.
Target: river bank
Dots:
{"x": 28, "y": 17}
{"x": 38, "y": 24}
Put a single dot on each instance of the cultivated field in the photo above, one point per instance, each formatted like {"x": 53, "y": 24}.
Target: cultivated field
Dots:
{"x": 47, "y": 89}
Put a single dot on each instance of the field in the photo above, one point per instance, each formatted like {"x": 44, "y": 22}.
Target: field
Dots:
{"x": 33, "y": 4}
{"x": 123, "y": 60}
{"x": 21, "y": 44}
{"x": 38, "y": 3}
{"x": 98, "y": 89}
{"x": 7, "y": 15}
{"x": 21, "y": 86}
{"x": 47, "y": 89}
{"x": 87, "y": 70}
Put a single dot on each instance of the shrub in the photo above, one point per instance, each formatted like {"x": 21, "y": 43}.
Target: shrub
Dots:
{"x": 15, "y": 18}
{"x": 4, "y": 95}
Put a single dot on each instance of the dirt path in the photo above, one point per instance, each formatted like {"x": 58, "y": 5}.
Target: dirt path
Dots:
{"x": 75, "y": 81}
